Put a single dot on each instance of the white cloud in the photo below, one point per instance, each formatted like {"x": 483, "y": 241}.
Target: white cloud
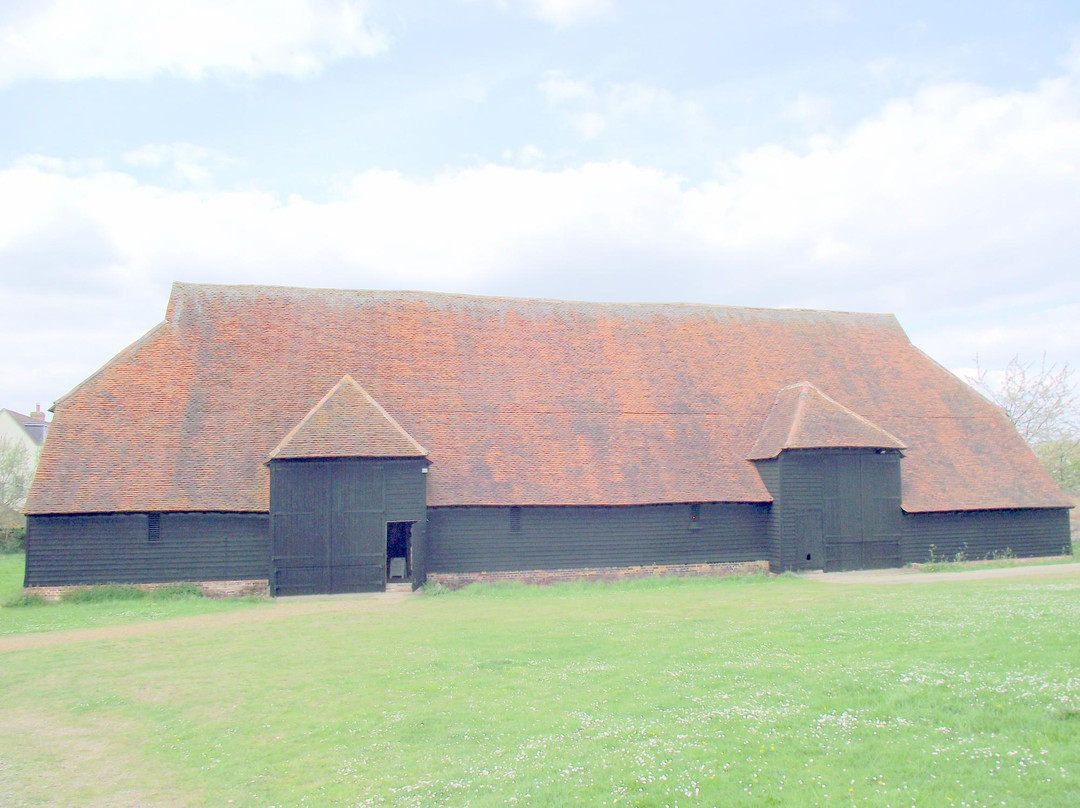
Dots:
{"x": 559, "y": 88}
{"x": 810, "y": 110}
{"x": 133, "y": 39}
{"x": 569, "y": 12}
{"x": 186, "y": 163}
{"x": 560, "y": 13}
{"x": 590, "y": 124}
{"x": 620, "y": 108}
{"x": 530, "y": 156}
{"x": 955, "y": 208}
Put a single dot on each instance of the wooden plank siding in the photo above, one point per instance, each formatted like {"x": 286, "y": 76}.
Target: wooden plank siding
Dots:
{"x": 1026, "y": 533}
{"x": 861, "y": 528}
{"x": 116, "y": 548}
{"x": 328, "y": 521}
{"x": 833, "y": 509}
{"x": 801, "y": 502}
{"x": 477, "y": 539}
{"x": 769, "y": 471}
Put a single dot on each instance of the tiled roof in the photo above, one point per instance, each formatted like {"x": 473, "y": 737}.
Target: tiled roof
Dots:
{"x": 347, "y": 422}
{"x": 802, "y": 417}
{"x": 525, "y": 402}
{"x": 26, "y": 421}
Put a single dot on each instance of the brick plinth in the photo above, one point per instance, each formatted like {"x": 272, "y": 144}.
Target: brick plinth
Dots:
{"x": 456, "y": 580}
{"x": 258, "y": 587}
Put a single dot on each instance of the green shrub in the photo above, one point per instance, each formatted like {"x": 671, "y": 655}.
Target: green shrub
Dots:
{"x": 25, "y": 599}
{"x": 12, "y": 540}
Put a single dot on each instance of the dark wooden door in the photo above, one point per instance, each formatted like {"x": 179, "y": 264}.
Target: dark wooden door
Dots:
{"x": 861, "y": 498}
{"x": 300, "y": 562}
{"x": 358, "y": 529}
{"x": 328, "y": 527}
{"x": 881, "y": 510}
{"x": 808, "y": 546}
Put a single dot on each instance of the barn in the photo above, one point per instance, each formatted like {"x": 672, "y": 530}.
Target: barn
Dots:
{"x": 317, "y": 440}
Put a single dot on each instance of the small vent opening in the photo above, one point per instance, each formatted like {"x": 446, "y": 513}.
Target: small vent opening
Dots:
{"x": 515, "y": 519}
{"x": 153, "y": 527}
{"x": 695, "y": 517}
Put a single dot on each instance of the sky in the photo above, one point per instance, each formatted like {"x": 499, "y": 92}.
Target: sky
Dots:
{"x": 918, "y": 158}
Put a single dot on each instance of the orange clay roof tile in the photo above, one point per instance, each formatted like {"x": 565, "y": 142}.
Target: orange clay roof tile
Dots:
{"x": 347, "y": 422}
{"x": 525, "y": 402}
{"x": 802, "y": 417}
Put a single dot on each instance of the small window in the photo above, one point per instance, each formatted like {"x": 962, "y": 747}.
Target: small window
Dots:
{"x": 515, "y": 519}
{"x": 153, "y": 527}
{"x": 695, "y": 517}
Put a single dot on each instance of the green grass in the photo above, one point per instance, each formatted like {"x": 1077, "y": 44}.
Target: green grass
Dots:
{"x": 11, "y": 575}
{"x": 783, "y": 692}
{"x": 960, "y": 563}
{"x": 97, "y": 606}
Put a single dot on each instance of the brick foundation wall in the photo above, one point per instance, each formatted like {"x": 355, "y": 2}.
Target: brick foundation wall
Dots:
{"x": 456, "y": 580}
{"x": 258, "y": 587}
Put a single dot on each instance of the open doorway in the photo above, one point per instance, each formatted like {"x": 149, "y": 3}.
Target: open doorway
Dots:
{"x": 399, "y": 551}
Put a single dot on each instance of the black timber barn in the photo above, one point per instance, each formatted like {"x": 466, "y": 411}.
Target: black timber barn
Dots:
{"x": 334, "y": 441}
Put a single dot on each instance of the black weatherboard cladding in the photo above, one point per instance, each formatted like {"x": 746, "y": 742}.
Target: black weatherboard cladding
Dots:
{"x": 769, "y": 470}
{"x": 834, "y": 509}
{"x": 328, "y": 522}
{"x": 117, "y": 548}
{"x": 1025, "y": 533}
{"x": 475, "y": 539}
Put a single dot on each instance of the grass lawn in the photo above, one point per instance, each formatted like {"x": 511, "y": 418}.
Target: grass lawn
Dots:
{"x": 960, "y": 562}
{"x": 11, "y": 575}
{"x": 780, "y": 691}
{"x": 54, "y": 617}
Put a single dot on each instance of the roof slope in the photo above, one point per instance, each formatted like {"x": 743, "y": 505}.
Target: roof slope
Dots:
{"x": 528, "y": 402}
{"x": 802, "y": 417}
{"x": 24, "y": 423}
{"x": 347, "y": 422}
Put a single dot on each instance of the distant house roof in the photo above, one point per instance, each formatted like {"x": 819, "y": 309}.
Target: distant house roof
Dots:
{"x": 34, "y": 427}
{"x": 525, "y": 402}
{"x": 802, "y": 417}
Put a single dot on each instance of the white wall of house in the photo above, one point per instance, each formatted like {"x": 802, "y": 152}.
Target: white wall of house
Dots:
{"x": 13, "y": 433}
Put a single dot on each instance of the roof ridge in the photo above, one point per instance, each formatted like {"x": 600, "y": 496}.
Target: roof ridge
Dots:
{"x": 800, "y": 407}
{"x": 180, "y": 288}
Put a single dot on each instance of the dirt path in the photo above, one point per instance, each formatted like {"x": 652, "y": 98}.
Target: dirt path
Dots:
{"x": 912, "y": 576}
{"x": 279, "y": 609}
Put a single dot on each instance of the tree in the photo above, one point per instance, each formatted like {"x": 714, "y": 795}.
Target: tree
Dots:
{"x": 1042, "y": 403}
{"x": 16, "y": 474}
